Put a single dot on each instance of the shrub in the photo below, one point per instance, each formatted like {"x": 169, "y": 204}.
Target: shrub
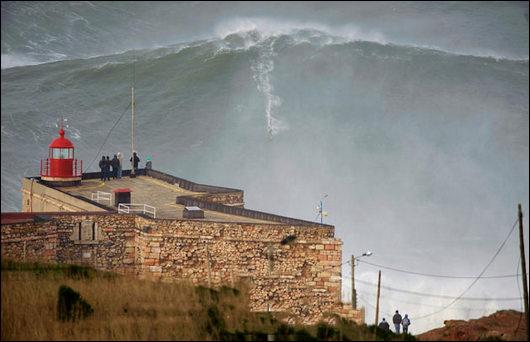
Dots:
{"x": 71, "y": 306}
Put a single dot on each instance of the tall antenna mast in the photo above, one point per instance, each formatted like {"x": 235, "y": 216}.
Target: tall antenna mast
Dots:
{"x": 320, "y": 209}
{"x": 133, "y": 173}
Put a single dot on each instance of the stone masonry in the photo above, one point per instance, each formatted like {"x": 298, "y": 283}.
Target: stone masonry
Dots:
{"x": 301, "y": 277}
{"x": 291, "y": 265}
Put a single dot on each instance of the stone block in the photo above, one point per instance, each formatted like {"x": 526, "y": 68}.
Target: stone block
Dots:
{"x": 155, "y": 268}
{"x": 151, "y": 262}
{"x": 335, "y": 278}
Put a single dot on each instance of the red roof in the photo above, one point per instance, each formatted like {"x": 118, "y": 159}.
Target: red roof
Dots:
{"x": 122, "y": 190}
{"x": 8, "y": 218}
{"x": 61, "y": 142}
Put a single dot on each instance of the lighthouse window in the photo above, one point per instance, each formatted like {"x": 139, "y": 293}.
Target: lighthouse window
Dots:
{"x": 63, "y": 153}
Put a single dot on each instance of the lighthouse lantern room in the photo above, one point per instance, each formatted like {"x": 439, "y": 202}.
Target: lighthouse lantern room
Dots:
{"x": 60, "y": 168}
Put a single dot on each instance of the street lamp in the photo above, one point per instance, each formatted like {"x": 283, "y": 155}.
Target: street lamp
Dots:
{"x": 353, "y": 291}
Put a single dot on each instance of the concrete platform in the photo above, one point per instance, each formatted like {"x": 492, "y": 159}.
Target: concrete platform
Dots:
{"x": 153, "y": 192}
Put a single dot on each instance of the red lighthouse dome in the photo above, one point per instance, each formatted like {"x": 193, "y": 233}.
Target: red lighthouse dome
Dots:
{"x": 60, "y": 167}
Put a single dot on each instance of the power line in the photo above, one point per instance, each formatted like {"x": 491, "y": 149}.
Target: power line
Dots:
{"x": 370, "y": 305}
{"x": 477, "y": 278}
{"x": 421, "y": 304}
{"x": 435, "y": 295}
{"x": 108, "y": 134}
{"x": 437, "y": 275}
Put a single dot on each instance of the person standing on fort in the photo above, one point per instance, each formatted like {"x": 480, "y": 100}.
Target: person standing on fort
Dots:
{"x": 405, "y": 323}
{"x": 107, "y": 168}
{"x": 136, "y": 161}
{"x": 397, "y": 321}
{"x": 115, "y": 164}
{"x": 102, "y": 164}
{"x": 120, "y": 166}
{"x": 384, "y": 325}
{"x": 148, "y": 163}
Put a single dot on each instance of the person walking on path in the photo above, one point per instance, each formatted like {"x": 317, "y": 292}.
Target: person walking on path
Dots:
{"x": 120, "y": 166}
{"x": 136, "y": 161}
{"x": 405, "y": 322}
{"x": 397, "y": 321}
{"x": 384, "y": 325}
{"x": 102, "y": 164}
{"x": 115, "y": 163}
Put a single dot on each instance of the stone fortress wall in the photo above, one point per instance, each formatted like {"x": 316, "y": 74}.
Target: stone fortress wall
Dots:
{"x": 293, "y": 266}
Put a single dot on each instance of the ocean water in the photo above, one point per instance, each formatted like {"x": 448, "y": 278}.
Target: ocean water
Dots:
{"x": 421, "y": 144}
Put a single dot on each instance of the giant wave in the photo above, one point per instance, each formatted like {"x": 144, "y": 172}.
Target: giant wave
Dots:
{"x": 251, "y": 86}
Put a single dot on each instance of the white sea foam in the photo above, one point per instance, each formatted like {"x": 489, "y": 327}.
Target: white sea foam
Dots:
{"x": 263, "y": 67}
{"x": 271, "y": 27}
{"x": 15, "y": 60}
{"x": 254, "y": 30}
{"x": 267, "y": 27}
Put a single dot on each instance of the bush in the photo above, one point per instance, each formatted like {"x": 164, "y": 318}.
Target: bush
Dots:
{"x": 71, "y": 306}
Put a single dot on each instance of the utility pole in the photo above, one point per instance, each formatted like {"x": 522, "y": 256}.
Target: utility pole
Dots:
{"x": 353, "y": 290}
{"x": 133, "y": 173}
{"x": 523, "y": 268}
{"x": 377, "y": 304}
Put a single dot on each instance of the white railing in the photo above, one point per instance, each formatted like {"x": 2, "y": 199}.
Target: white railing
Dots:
{"x": 127, "y": 208}
{"x": 102, "y": 196}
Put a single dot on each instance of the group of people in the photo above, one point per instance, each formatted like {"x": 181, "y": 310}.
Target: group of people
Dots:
{"x": 113, "y": 167}
{"x": 398, "y": 322}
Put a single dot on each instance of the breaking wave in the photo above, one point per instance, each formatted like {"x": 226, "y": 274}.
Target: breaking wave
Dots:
{"x": 256, "y": 84}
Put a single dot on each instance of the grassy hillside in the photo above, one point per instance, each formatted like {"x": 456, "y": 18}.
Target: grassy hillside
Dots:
{"x": 126, "y": 308}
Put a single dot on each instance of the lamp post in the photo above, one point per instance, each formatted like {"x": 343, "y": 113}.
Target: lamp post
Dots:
{"x": 353, "y": 291}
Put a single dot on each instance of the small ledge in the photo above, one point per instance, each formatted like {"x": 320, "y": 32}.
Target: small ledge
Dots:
{"x": 87, "y": 242}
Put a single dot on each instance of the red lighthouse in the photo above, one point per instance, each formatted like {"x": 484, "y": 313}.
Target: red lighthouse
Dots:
{"x": 60, "y": 168}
